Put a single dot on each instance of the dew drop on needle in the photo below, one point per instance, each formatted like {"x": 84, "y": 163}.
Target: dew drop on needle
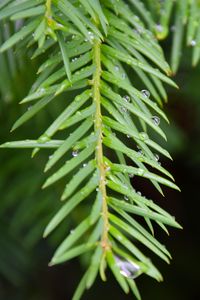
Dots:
{"x": 128, "y": 268}
{"x": 75, "y": 153}
{"x": 145, "y": 93}
{"x": 156, "y": 120}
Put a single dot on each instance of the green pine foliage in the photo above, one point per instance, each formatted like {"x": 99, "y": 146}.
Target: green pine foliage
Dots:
{"x": 94, "y": 56}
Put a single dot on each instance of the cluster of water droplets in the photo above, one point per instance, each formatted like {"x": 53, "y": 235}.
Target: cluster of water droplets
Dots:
{"x": 74, "y": 59}
{"x": 90, "y": 37}
{"x": 123, "y": 109}
{"x": 128, "y": 268}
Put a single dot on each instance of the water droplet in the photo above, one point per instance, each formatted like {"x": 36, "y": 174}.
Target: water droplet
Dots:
{"x": 143, "y": 136}
{"x": 123, "y": 76}
{"x": 91, "y": 35}
{"x": 71, "y": 231}
{"x": 127, "y": 98}
{"x": 140, "y": 152}
{"x": 116, "y": 68}
{"x": 156, "y": 156}
{"x": 156, "y": 120}
{"x": 193, "y": 43}
{"x": 97, "y": 189}
{"x": 139, "y": 193}
{"x": 75, "y": 153}
{"x": 107, "y": 168}
{"x": 84, "y": 165}
{"x": 159, "y": 28}
{"x": 128, "y": 136}
{"x": 74, "y": 59}
{"x": 123, "y": 109}
{"x": 29, "y": 107}
{"x": 43, "y": 139}
{"x": 130, "y": 175}
{"x": 50, "y": 156}
{"x": 145, "y": 93}
{"x": 126, "y": 198}
{"x": 128, "y": 268}
{"x": 41, "y": 91}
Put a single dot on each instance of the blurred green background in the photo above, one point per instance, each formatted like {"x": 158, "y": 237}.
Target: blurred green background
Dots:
{"x": 25, "y": 209}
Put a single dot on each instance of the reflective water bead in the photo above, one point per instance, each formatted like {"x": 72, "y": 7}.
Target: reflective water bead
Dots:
{"x": 127, "y": 98}
{"x": 116, "y": 68}
{"x": 156, "y": 156}
{"x": 41, "y": 90}
{"x": 159, "y": 28}
{"x": 84, "y": 165}
{"x": 140, "y": 152}
{"x": 75, "y": 153}
{"x": 139, "y": 193}
{"x": 143, "y": 136}
{"x": 128, "y": 268}
{"x": 156, "y": 120}
{"x": 123, "y": 109}
{"x": 123, "y": 76}
{"x": 126, "y": 198}
{"x": 107, "y": 168}
{"x": 130, "y": 175}
{"x": 193, "y": 43}
{"x": 43, "y": 139}
{"x": 145, "y": 93}
{"x": 91, "y": 35}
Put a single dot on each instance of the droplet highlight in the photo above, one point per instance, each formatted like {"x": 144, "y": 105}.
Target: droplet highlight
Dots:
{"x": 75, "y": 153}
{"x": 128, "y": 268}
{"x": 127, "y": 98}
{"x": 145, "y": 93}
{"x": 156, "y": 120}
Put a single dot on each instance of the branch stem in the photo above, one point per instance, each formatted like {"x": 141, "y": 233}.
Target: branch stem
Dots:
{"x": 99, "y": 149}
{"x": 48, "y": 9}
